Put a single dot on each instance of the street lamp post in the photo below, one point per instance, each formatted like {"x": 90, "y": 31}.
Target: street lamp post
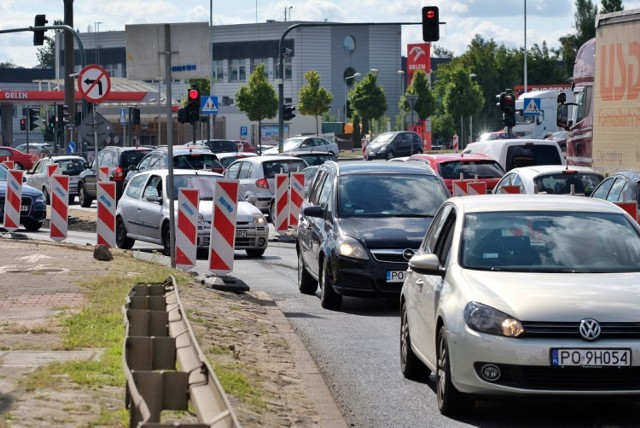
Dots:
{"x": 411, "y": 99}
{"x": 401, "y": 74}
{"x": 354, "y": 75}
{"x": 472, "y": 76}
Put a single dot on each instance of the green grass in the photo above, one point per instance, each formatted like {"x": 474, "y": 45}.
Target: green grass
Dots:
{"x": 236, "y": 384}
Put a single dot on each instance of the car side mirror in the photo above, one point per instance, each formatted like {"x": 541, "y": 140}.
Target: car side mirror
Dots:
{"x": 426, "y": 264}
{"x": 313, "y": 211}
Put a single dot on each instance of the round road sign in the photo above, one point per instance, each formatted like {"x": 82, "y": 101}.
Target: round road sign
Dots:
{"x": 94, "y": 83}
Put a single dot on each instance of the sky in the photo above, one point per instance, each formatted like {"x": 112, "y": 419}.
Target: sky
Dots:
{"x": 500, "y": 20}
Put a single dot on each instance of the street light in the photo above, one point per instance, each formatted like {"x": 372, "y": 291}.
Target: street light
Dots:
{"x": 401, "y": 74}
{"x": 374, "y": 71}
{"x": 354, "y": 75}
{"x": 472, "y": 76}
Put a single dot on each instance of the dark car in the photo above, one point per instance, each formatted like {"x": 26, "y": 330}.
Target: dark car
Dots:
{"x": 314, "y": 158}
{"x": 216, "y": 145}
{"x": 622, "y": 186}
{"x": 390, "y": 145}
{"x": 118, "y": 160}
{"x": 33, "y": 207}
{"x": 360, "y": 223}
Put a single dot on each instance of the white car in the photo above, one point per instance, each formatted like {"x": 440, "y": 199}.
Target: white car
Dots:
{"x": 524, "y": 296}
{"x": 311, "y": 143}
{"x": 143, "y": 212}
{"x": 552, "y": 179}
{"x": 72, "y": 166}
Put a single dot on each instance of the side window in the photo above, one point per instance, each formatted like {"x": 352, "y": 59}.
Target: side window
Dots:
{"x": 443, "y": 244}
{"x": 603, "y": 189}
{"x": 134, "y": 188}
{"x": 616, "y": 191}
{"x": 325, "y": 193}
{"x": 429, "y": 242}
{"x": 233, "y": 170}
{"x": 245, "y": 170}
{"x": 153, "y": 187}
{"x": 314, "y": 190}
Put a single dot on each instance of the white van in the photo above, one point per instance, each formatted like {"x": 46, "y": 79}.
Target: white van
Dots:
{"x": 513, "y": 153}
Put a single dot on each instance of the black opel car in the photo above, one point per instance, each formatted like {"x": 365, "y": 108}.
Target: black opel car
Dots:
{"x": 33, "y": 208}
{"x": 360, "y": 223}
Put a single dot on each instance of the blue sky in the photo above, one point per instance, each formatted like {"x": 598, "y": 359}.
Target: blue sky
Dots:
{"x": 500, "y": 20}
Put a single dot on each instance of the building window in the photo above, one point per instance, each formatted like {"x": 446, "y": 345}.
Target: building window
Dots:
{"x": 217, "y": 69}
{"x": 287, "y": 68}
{"x": 349, "y": 44}
{"x": 237, "y": 70}
{"x": 257, "y": 61}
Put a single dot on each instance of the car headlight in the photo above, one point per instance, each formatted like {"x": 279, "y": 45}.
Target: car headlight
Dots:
{"x": 349, "y": 247}
{"x": 486, "y": 319}
{"x": 259, "y": 220}
{"x": 40, "y": 198}
{"x": 382, "y": 149}
{"x": 200, "y": 219}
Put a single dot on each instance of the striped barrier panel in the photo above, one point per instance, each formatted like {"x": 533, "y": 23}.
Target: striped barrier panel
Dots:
{"x": 629, "y": 207}
{"x": 476, "y": 188}
{"x": 9, "y": 164}
{"x": 281, "y": 222}
{"x": 52, "y": 168}
{"x": 106, "y": 224}
{"x": 103, "y": 173}
{"x": 223, "y": 226}
{"x": 13, "y": 200}
{"x": 187, "y": 230}
{"x": 509, "y": 189}
{"x": 459, "y": 187}
{"x": 59, "y": 218}
{"x": 296, "y": 196}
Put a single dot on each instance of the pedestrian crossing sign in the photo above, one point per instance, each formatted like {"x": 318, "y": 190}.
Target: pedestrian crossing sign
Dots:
{"x": 209, "y": 105}
{"x": 531, "y": 106}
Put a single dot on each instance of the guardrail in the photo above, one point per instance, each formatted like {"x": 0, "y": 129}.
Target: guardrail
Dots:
{"x": 164, "y": 366}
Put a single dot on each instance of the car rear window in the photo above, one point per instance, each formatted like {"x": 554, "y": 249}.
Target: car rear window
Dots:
{"x": 532, "y": 155}
{"x": 132, "y": 157}
{"x": 481, "y": 169}
{"x": 272, "y": 168}
{"x": 197, "y": 161}
{"x": 583, "y": 183}
{"x": 222, "y": 146}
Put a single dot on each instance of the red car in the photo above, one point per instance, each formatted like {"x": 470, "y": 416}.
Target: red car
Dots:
{"x": 453, "y": 166}
{"x": 20, "y": 159}
{"x": 245, "y": 146}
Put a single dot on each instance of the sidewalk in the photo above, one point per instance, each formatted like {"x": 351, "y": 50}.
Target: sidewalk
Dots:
{"x": 41, "y": 284}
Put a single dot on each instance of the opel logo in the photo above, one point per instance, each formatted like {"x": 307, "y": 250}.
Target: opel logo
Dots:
{"x": 407, "y": 254}
{"x": 589, "y": 329}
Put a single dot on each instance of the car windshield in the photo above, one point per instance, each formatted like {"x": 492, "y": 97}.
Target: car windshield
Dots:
{"x": 272, "y": 168}
{"x": 383, "y": 138}
{"x": 480, "y": 168}
{"x": 583, "y": 183}
{"x": 204, "y": 183}
{"x": 536, "y": 241}
{"x": 389, "y": 195}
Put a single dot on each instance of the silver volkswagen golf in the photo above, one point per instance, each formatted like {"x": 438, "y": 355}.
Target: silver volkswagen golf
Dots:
{"x": 143, "y": 212}
{"x": 524, "y": 295}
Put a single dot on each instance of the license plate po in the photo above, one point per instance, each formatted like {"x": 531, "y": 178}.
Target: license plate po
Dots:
{"x": 396, "y": 275}
{"x": 240, "y": 233}
{"x": 590, "y": 357}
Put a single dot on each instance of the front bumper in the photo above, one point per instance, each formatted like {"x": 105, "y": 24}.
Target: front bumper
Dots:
{"x": 248, "y": 237}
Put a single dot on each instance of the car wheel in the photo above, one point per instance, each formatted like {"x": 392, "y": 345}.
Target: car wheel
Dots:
{"x": 32, "y": 225}
{"x": 329, "y": 299}
{"x": 72, "y": 199}
{"x": 306, "y": 283}
{"x": 85, "y": 200}
{"x": 166, "y": 240}
{"x": 410, "y": 365}
{"x": 122, "y": 241}
{"x": 390, "y": 155}
{"x": 451, "y": 402}
{"x": 47, "y": 199}
{"x": 18, "y": 166}
{"x": 255, "y": 252}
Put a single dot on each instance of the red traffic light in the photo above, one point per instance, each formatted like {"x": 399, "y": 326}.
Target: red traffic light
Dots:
{"x": 193, "y": 94}
{"x": 430, "y": 24}
{"x": 430, "y": 14}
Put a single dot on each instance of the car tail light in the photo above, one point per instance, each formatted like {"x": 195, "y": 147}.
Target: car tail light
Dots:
{"x": 262, "y": 183}
{"x": 117, "y": 174}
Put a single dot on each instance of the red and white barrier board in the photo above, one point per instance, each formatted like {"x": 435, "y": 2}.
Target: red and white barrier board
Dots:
{"x": 53, "y": 168}
{"x": 187, "y": 230}
{"x": 106, "y": 224}
{"x": 296, "y": 196}
{"x": 281, "y": 222}
{"x": 223, "y": 226}
{"x": 9, "y": 164}
{"x": 630, "y": 207}
{"x": 459, "y": 187}
{"x": 13, "y": 200}
{"x": 476, "y": 188}
{"x": 510, "y": 189}
{"x": 103, "y": 173}
{"x": 59, "y": 219}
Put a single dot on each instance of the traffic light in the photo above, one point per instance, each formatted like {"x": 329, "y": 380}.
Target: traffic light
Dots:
{"x": 63, "y": 115}
{"x": 52, "y": 121}
{"x": 135, "y": 116}
{"x": 508, "y": 108}
{"x": 23, "y": 124}
{"x": 193, "y": 106}
{"x": 182, "y": 115}
{"x": 287, "y": 112}
{"x": 34, "y": 117}
{"x": 38, "y": 35}
{"x": 430, "y": 24}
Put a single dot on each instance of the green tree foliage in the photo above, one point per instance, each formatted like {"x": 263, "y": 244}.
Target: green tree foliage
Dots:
{"x": 425, "y": 105}
{"x": 313, "y": 100}
{"x": 8, "y": 64}
{"x": 46, "y": 54}
{"x": 368, "y": 100}
{"x": 462, "y": 96}
{"x": 585, "y": 25}
{"x": 608, "y": 6}
{"x": 258, "y": 99}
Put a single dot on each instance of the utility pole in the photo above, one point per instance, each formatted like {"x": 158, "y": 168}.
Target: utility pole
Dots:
{"x": 69, "y": 80}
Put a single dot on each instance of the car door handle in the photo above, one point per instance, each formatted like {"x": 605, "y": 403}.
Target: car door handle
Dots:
{"x": 420, "y": 282}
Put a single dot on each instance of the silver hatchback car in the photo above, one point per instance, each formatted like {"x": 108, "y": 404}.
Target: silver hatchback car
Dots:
{"x": 143, "y": 212}
{"x": 257, "y": 174}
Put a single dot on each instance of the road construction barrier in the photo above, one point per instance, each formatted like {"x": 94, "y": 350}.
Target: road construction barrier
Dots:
{"x": 296, "y": 196}
{"x": 9, "y": 164}
{"x": 106, "y": 224}
{"x": 59, "y": 218}
{"x": 281, "y": 222}
{"x": 164, "y": 366}
{"x": 509, "y": 189}
{"x": 13, "y": 200}
{"x": 187, "y": 230}
{"x": 103, "y": 173}
{"x": 629, "y": 207}
{"x": 223, "y": 226}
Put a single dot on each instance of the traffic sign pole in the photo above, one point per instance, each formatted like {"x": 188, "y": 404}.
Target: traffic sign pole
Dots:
{"x": 94, "y": 85}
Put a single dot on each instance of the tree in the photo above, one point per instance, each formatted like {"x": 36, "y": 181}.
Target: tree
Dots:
{"x": 462, "y": 95}
{"x": 609, "y": 6}
{"x": 46, "y": 54}
{"x": 425, "y": 105}
{"x": 369, "y": 100}
{"x": 258, "y": 99}
{"x": 313, "y": 100}
{"x": 8, "y": 64}
{"x": 357, "y": 133}
{"x": 585, "y": 25}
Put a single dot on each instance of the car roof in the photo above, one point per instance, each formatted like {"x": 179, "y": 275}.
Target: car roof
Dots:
{"x": 271, "y": 158}
{"x": 360, "y": 167}
{"x": 629, "y": 174}
{"x": 528, "y": 171}
{"x": 527, "y": 202}
{"x": 450, "y": 157}
{"x": 238, "y": 155}
{"x": 165, "y": 172}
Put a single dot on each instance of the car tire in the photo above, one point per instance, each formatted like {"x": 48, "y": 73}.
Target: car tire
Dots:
{"x": 18, "y": 166}
{"x": 451, "y": 402}
{"x": 122, "y": 241}
{"x": 72, "y": 199}
{"x": 329, "y": 299}
{"x": 32, "y": 225}
{"x": 306, "y": 283}
{"x": 47, "y": 199}
{"x": 255, "y": 252}
{"x": 83, "y": 197}
{"x": 166, "y": 240}
{"x": 410, "y": 365}
{"x": 390, "y": 155}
